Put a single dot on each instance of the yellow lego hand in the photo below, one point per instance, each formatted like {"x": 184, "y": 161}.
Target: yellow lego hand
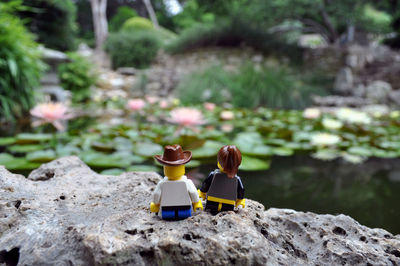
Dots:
{"x": 240, "y": 202}
{"x": 154, "y": 207}
{"x": 201, "y": 194}
{"x": 197, "y": 205}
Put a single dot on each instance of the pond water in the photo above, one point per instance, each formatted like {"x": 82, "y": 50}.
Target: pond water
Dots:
{"x": 368, "y": 192}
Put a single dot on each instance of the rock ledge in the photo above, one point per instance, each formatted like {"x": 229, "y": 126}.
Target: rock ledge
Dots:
{"x": 66, "y": 214}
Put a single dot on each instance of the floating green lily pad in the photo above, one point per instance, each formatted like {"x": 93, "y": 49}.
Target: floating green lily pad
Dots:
{"x": 143, "y": 168}
{"x": 41, "y": 156}
{"x": 147, "y": 149}
{"x": 25, "y": 148}
{"x": 282, "y": 151}
{"x": 28, "y": 138}
{"x": 360, "y": 151}
{"x": 193, "y": 164}
{"x": 208, "y": 150}
{"x": 112, "y": 171}
{"x": 100, "y": 160}
{"x": 14, "y": 163}
{"x": 251, "y": 143}
{"x": 326, "y": 154}
{"x": 103, "y": 146}
{"x": 254, "y": 164}
{"x": 7, "y": 141}
{"x": 67, "y": 150}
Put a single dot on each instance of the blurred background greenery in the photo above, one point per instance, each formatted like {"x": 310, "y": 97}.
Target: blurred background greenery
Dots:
{"x": 300, "y": 86}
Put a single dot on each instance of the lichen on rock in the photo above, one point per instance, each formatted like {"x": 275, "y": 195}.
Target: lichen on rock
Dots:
{"x": 66, "y": 214}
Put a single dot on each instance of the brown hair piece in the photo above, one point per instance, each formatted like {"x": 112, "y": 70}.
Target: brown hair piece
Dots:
{"x": 229, "y": 157}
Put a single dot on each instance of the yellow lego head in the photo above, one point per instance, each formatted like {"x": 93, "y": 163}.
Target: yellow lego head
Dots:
{"x": 174, "y": 172}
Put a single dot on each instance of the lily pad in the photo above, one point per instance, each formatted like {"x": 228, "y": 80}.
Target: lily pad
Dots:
{"x": 112, "y": 171}
{"x": 25, "y": 148}
{"x": 41, "y": 156}
{"x": 67, "y": 150}
{"x": 360, "y": 151}
{"x": 100, "y": 160}
{"x": 193, "y": 164}
{"x": 14, "y": 163}
{"x": 7, "y": 141}
{"x": 147, "y": 149}
{"x": 28, "y": 138}
{"x": 103, "y": 146}
{"x": 251, "y": 143}
{"x": 143, "y": 168}
{"x": 208, "y": 150}
{"x": 254, "y": 164}
{"x": 282, "y": 151}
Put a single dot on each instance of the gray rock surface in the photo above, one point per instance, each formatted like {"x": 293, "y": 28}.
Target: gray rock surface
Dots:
{"x": 344, "y": 81}
{"x": 378, "y": 91}
{"x": 66, "y": 214}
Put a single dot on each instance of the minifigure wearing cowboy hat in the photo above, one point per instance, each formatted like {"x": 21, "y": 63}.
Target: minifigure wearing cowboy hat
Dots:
{"x": 175, "y": 194}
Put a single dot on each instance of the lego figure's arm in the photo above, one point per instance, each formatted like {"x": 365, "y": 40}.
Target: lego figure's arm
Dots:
{"x": 155, "y": 204}
{"x": 240, "y": 193}
{"x": 206, "y": 185}
{"x": 193, "y": 195}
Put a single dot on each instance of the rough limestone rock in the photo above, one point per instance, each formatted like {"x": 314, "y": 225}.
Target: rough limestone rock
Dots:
{"x": 344, "y": 82}
{"x": 66, "y": 214}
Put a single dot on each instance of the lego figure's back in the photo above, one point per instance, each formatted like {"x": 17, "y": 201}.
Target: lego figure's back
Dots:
{"x": 223, "y": 189}
{"x": 175, "y": 194}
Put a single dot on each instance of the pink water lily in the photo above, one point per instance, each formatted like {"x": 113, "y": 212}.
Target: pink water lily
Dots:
{"x": 186, "y": 116}
{"x": 136, "y": 104}
{"x": 52, "y": 113}
{"x": 209, "y": 106}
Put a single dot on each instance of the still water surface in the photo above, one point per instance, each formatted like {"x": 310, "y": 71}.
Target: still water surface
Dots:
{"x": 368, "y": 192}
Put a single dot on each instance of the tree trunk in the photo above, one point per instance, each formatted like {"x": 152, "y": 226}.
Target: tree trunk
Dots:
{"x": 99, "y": 8}
{"x": 151, "y": 12}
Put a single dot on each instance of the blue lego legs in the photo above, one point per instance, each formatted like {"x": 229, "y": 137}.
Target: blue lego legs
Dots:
{"x": 176, "y": 213}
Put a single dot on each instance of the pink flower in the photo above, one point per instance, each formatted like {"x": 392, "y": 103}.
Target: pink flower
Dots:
{"x": 227, "y": 128}
{"x": 136, "y": 104}
{"x": 164, "y": 104}
{"x": 209, "y": 106}
{"x": 227, "y": 115}
{"x": 186, "y": 116}
{"x": 52, "y": 113}
{"x": 151, "y": 99}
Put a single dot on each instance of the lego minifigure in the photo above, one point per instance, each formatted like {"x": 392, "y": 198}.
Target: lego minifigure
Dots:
{"x": 175, "y": 195}
{"x": 223, "y": 189}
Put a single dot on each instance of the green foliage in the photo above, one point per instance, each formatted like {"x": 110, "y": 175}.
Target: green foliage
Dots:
{"x": 77, "y": 76}
{"x": 135, "y": 50}
{"x": 137, "y": 23}
{"x": 20, "y": 64}
{"x": 53, "y": 21}
{"x": 191, "y": 14}
{"x": 233, "y": 32}
{"x": 376, "y": 21}
{"x": 123, "y": 14}
{"x": 275, "y": 87}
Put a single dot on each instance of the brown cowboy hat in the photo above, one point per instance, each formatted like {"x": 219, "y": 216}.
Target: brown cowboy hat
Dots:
{"x": 174, "y": 155}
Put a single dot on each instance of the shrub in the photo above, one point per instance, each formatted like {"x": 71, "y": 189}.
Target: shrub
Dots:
{"x": 77, "y": 76}
{"x": 251, "y": 87}
{"x": 135, "y": 50}
{"x": 20, "y": 65}
{"x": 233, "y": 32}
{"x": 53, "y": 21}
{"x": 123, "y": 14}
{"x": 137, "y": 23}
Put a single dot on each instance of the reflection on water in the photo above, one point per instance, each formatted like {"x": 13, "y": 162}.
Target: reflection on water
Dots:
{"x": 368, "y": 192}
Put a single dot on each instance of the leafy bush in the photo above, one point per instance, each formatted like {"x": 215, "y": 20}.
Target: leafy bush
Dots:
{"x": 137, "y": 23}
{"x": 20, "y": 64}
{"x": 250, "y": 87}
{"x": 233, "y": 32}
{"x": 136, "y": 50}
{"x": 123, "y": 14}
{"x": 53, "y": 21}
{"x": 77, "y": 76}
